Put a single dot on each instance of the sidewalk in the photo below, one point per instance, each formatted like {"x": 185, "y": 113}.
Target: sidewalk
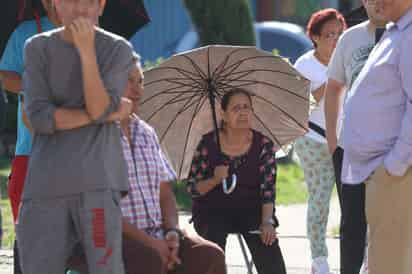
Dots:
{"x": 292, "y": 238}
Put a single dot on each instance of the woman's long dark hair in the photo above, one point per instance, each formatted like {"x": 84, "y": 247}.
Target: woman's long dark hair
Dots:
{"x": 226, "y": 100}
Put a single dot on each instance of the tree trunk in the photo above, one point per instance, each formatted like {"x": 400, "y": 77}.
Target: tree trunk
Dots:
{"x": 225, "y": 22}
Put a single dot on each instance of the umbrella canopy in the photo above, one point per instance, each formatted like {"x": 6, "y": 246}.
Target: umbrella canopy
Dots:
{"x": 182, "y": 93}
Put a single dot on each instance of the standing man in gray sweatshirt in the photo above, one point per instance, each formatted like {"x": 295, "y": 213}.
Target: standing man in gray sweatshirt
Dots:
{"x": 73, "y": 83}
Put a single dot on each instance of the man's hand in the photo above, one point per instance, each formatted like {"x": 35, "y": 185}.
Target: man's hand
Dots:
{"x": 83, "y": 33}
{"x": 163, "y": 249}
{"x": 173, "y": 242}
{"x": 125, "y": 109}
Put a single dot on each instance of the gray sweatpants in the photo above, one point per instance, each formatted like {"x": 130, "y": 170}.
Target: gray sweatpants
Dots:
{"x": 48, "y": 230}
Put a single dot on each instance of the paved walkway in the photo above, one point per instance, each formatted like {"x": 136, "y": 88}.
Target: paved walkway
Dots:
{"x": 292, "y": 239}
{"x": 293, "y": 242}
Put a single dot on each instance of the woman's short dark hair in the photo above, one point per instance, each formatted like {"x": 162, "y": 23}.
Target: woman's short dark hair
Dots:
{"x": 228, "y": 95}
{"x": 320, "y": 18}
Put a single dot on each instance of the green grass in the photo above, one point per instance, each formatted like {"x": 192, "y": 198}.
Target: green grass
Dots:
{"x": 290, "y": 187}
{"x": 184, "y": 201}
{"x": 8, "y": 227}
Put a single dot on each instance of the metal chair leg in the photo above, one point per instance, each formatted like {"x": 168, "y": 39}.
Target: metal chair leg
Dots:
{"x": 249, "y": 263}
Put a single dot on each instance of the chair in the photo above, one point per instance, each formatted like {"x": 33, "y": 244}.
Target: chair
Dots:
{"x": 248, "y": 262}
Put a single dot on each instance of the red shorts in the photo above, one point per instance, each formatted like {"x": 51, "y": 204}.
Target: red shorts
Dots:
{"x": 16, "y": 182}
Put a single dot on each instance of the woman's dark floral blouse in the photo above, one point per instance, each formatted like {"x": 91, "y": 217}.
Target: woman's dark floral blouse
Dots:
{"x": 267, "y": 168}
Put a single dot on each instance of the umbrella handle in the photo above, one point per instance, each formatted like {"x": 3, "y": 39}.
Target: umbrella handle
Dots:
{"x": 232, "y": 186}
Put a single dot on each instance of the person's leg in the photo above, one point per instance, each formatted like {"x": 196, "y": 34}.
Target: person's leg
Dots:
{"x": 16, "y": 183}
{"x": 212, "y": 257}
{"x": 353, "y": 237}
{"x": 98, "y": 220}
{"x": 337, "y": 158}
{"x": 141, "y": 259}
{"x": 215, "y": 231}
{"x": 45, "y": 236}
{"x": 322, "y": 194}
{"x": 138, "y": 259}
{"x": 16, "y": 259}
{"x": 319, "y": 177}
{"x": 15, "y": 189}
{"x": 267, "y": 259}
{"x": 77, "y": 261}
{"x": 390, "y": 222}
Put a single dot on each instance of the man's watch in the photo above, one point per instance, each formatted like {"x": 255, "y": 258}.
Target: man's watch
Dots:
{"x": 174, "y": 231}
{"x": 270, "y": 221}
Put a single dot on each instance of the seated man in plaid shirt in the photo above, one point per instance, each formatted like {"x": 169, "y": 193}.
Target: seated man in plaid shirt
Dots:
{"x": 152, "y": 241}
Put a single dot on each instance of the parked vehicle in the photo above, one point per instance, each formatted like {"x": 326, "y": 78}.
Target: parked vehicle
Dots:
{"x": 287, "y": 39}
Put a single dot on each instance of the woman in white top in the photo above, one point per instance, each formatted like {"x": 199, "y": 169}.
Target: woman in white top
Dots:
{"x": 324, "y": 29}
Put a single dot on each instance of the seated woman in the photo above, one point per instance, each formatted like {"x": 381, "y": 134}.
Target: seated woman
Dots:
{"x": 250, "y": 206}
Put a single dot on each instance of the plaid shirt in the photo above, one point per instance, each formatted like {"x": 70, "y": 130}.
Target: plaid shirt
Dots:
{"x": 147, "y": 168}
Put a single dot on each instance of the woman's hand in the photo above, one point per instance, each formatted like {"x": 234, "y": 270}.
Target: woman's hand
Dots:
{"x": 221, "y": 172}
{"x": 83, "y": 33}
{"x": 269, "y": 234}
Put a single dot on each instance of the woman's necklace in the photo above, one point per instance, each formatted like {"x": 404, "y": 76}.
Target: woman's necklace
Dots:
{"x": 237, "y": 153}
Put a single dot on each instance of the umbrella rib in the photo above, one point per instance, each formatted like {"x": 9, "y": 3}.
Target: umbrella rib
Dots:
{"x": 246, "y": 72}
{"x": 221, "y": 66}
{"x": 201, "y": 74}
{"x": 280, "y": 109}
{"x": 235, "y": 65}
{"x": 176, "y": 80}
{"x": 239, "y": 76}
{"x": 174, "y": 100}
{"x": 268, "y": 130}
{"x": 196, "y": 111}
{"x": 180, "y": 70}
{"x": 250, "y": 82}
{"x": 179, "y": 100}
{"x": 228, "y": 72}
{"x": 185, "y": 107}
{"x": 172, "y": 90}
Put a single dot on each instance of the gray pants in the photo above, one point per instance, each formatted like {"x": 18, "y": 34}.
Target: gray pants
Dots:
{"x": 48, "y": 230}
